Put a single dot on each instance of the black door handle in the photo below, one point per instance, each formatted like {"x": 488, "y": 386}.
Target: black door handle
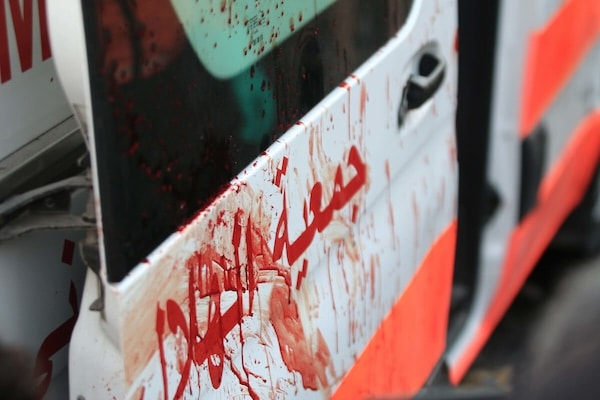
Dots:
{"x": 422, "y": 84}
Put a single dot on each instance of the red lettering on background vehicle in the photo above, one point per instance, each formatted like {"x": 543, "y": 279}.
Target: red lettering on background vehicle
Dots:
{"x": 23, "y": 24}
{"x": 52, "y": 344}
{"x": 342, "y": 194}
{"x": 4, "y": 51}
{"x": 22, "y": 20}
{"x": 45, "y": 38}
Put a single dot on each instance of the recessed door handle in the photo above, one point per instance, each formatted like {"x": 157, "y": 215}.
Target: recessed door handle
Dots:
{"x": 422, "y": 84}
{"x": 426, "y": 81}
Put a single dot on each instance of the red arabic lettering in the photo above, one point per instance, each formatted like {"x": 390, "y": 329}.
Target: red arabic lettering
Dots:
{"x": 22, "y": 21}
{"x": 52, "y": 344}
{"x": 210, "y": 274}
{"x": 342, "y": 194}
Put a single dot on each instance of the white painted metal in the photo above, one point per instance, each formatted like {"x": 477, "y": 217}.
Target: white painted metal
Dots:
{"x": 32, "y": 101}
{"x": 95, "y": 365}
{"x": 34, "y": 293}
{"x": 517, "y": 20}
{"x": 504, "y": 164}
{"x": 578, "y": 98}
{"x": 355, "y": 270}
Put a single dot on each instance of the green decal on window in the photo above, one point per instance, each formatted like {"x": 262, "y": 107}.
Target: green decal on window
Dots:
{"x": 229, "y": 36}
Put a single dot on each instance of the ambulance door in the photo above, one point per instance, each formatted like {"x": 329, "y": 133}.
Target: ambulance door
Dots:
{"x": 544, "y": 148}
{"x": 276, "y": 191}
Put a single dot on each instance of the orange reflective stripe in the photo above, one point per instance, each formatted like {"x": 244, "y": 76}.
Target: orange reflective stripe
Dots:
{"x": 553, "y": 53}
{"x": 560, "y": 192}
{"x": 411, "y": 339}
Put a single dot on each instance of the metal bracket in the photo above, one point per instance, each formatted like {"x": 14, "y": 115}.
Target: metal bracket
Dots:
{"x": 17, "y": 216}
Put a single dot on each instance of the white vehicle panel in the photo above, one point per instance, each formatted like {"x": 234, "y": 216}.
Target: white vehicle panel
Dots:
{"x": 30, "y": 93}
{"x": 276, "y": 287}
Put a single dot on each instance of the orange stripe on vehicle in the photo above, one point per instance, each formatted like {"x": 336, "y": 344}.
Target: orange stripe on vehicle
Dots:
{"x": 560, "y": 192}
{"x": 411, "y": 339}
{"x": 553, "y": 53}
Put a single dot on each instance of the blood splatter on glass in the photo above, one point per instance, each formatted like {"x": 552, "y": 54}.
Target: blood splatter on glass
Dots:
{"x": 169, "y": 134}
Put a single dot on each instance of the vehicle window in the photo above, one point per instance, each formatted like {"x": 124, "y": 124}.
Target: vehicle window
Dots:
{"x": 173, "y": 124}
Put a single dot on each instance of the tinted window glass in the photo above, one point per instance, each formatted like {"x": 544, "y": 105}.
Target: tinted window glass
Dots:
{"x": 169, "y": 133}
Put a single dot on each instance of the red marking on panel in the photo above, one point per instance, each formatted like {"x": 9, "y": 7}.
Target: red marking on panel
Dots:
{"x": 411, "y": 339}
{"x": 553, "y": 53}
{"x": 373, "y": 267}
{"x": 456, "y": 43}
{"x": 344, "y": 85}
{"x": 355, "y": 211}
{"x": 52, "y": 344}
{"x": 293, "y": 343}
{"x": 23, "y": 24}
{"x": 160, "y": 330}
{"x": 388, "y": 177}
{"x": 322, "y": 214}
{"x": 387, "y": 171}
{"x": 22, "y": 20}
{"x": 364, "y": 97}
{"x": 210, "y": 275}
{"x": 5, "y": 72}
{"x": 561, "y": 190}
{"x": 68, "y": 252}
{"x": 302, "y": 274}
{"x": 281, "y": 171}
